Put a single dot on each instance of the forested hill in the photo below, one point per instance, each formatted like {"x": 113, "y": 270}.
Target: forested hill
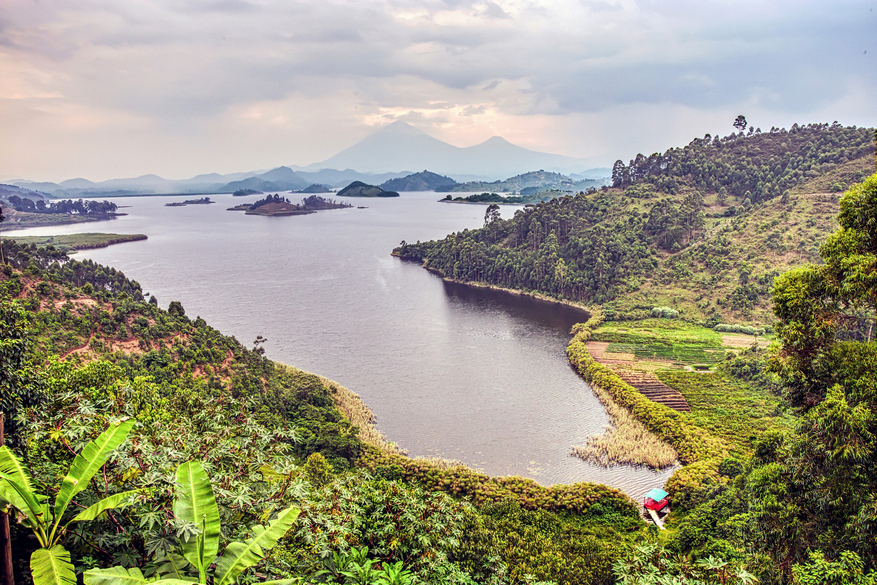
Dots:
{"x": 703, "y": 229}
{"x": 757, "y": 166}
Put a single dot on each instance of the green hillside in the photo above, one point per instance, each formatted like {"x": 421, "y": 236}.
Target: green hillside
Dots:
{"x": 703, "y": 229}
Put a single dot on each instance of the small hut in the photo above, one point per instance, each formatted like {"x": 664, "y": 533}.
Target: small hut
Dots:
{"x": 657, "y": 505}
{"x": 656, "y": 500}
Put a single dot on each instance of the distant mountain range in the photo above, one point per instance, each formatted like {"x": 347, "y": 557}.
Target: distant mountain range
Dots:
{"x": 383, "y": 155}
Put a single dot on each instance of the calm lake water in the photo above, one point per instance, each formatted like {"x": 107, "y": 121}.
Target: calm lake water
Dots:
{"x": 449, "y": 370}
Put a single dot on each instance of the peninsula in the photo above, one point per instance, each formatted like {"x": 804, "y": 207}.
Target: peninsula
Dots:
{"x": 71, "y": 242}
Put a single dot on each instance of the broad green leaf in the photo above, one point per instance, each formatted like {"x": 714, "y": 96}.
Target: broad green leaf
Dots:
{"x": 108, "y": 503}
{"x": 173, "y": 568}
{"x": 11, "y": 466}
{"x": 24, "y": 501}
{"x": 114, "y": 576}
{"x": 52, "y": 566}
{"x": 280, "y": 582}
{"x": 88, "y": 462}
{"x": 123, "y": 576}
{"x": 241, "y": 555}
{"x": 196, "y": 503}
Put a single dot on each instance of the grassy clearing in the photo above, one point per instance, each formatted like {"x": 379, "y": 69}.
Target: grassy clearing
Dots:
{"x": 657, "y": 330}
{"x": 726, "y": 407}
{"x": 73, "y": 242}
{"x": 666, "y": 342}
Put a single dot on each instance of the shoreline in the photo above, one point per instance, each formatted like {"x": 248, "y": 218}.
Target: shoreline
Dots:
{"x": 589, "y": 309}
{"x": 625, "y": 423}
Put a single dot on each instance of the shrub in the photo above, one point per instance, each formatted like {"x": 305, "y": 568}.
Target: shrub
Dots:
{"x": 690, "y": 485}
{"x": 482, "y": 489}
{"x": 731, "y": 467}
{"x": 665, "y": 313}
{"x": 733, "y": 328}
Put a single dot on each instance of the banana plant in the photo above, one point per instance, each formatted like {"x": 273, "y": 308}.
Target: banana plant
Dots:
{"x": 195, "y": 503}
{"x": 50, "y": 564}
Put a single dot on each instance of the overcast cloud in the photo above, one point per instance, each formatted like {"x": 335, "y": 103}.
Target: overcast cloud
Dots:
{"x": 104, "y": 89}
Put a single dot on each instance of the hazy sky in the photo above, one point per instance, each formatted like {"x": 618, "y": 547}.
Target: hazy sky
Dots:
{"x": 110, "y": 88}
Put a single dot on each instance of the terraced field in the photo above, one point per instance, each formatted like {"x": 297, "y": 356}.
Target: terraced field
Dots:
{"x": 678, "y": 353}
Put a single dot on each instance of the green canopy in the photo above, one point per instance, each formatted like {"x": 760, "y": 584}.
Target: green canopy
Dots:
{"x": 656, "y": 494}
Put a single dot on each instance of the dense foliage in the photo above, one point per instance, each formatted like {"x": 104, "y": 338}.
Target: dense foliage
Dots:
{"x": 805, "y": 503}
{"x": 754, "y": 166}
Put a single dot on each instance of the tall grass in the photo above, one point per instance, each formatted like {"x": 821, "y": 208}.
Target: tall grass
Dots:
{"x": 625, "y": 441}
{"x": 360, "y": 415}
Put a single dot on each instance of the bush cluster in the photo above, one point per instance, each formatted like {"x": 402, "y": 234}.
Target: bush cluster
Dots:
{"x": 482, "y": 489}
{"x": 732, "y": 328}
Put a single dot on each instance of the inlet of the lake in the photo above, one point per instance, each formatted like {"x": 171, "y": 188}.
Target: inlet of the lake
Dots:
{"x": 449, "y": 370}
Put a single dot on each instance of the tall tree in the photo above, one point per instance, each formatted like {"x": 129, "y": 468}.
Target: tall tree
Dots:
{"x": 740, "y": 123}
{"x": 829, "y": 468}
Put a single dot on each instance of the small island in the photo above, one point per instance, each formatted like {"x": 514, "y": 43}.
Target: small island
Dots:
{"x": 486, "y": 198}
{"x": 243, "y": 192}
{"x": 275, "y": 205}
{"x": 360, "y": 189}
{"x": 315, "y": 188}
{"x": 202, "y": 201}
{"x": 422, "y": 181}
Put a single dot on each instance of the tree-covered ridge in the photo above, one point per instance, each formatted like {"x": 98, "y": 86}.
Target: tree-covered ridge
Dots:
{"x": 525, "y": 184}
{"x": 78, "y": 207}
{"x": 756, "y": 165}
{"x": 709, "y": 254}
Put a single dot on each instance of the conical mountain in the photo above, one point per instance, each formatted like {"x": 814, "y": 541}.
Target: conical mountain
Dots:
{"x": 400, "y": 146}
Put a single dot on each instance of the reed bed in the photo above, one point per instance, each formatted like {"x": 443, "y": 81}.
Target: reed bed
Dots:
{"x": 625, "y": 441}
{"x": 360, "y": 415}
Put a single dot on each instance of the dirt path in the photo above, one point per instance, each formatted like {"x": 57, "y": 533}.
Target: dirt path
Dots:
{"x": 80, "y": 348}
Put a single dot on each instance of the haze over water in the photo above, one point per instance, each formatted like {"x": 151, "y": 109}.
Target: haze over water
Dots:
{"x": 449, "y": 370}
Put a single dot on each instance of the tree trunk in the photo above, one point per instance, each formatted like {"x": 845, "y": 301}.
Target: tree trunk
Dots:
{"x": 6, "y": 577}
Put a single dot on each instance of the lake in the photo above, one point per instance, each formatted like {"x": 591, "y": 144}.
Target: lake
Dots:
{"x": 449, "y": 370}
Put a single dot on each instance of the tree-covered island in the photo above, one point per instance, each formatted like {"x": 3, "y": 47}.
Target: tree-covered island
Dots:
{"x": 276, "y": 205}
{"x": 360, "y": 189}
{"x": 202, "y": 201}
